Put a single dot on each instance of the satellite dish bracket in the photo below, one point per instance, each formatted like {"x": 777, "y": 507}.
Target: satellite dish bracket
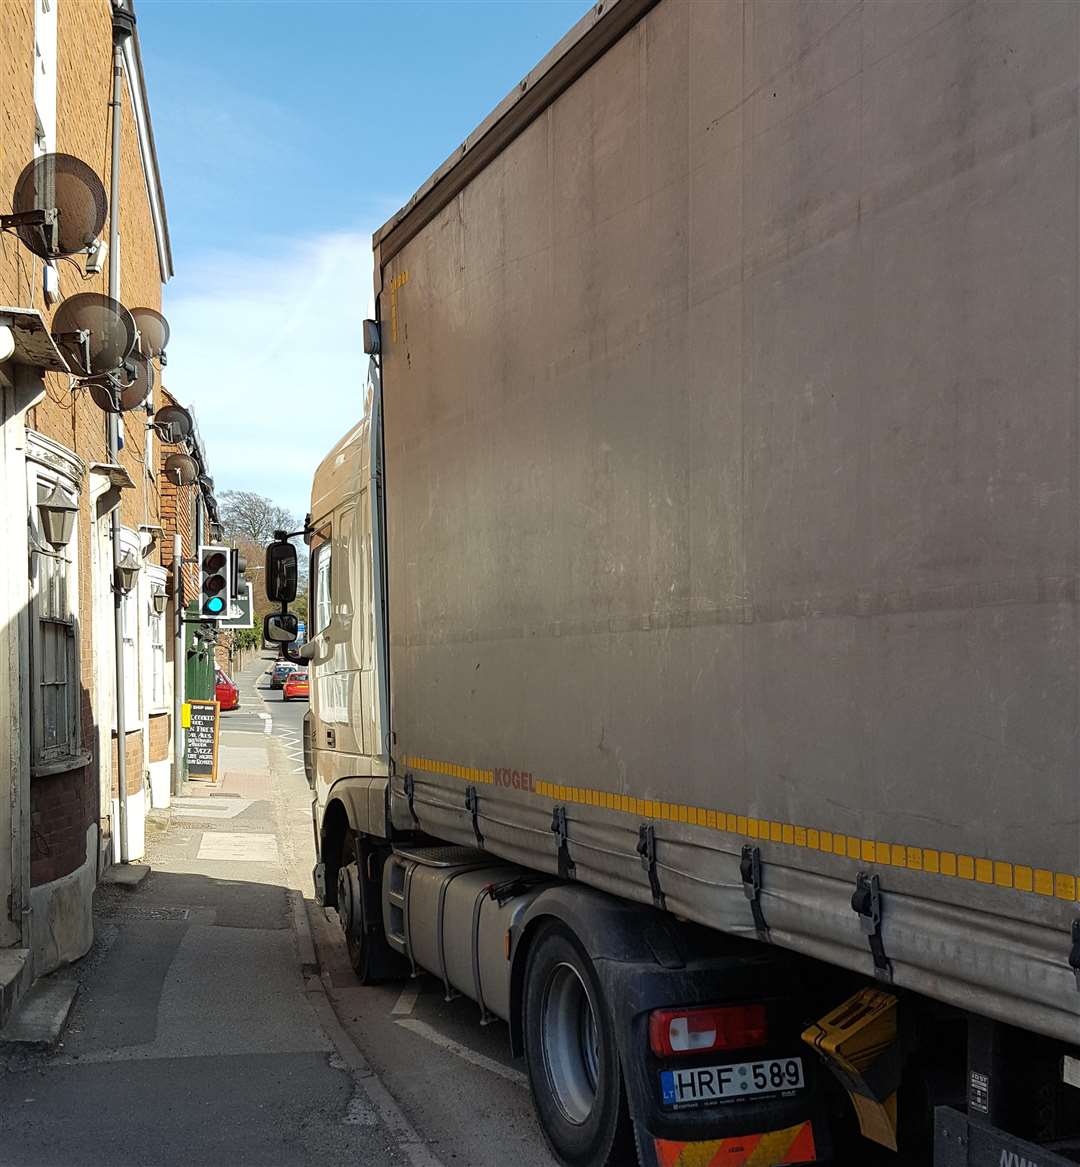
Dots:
{"x": 45, "y": 219}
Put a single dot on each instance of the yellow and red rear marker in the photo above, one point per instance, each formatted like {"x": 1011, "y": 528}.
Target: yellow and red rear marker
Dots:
{"x": 792, "y": 1145}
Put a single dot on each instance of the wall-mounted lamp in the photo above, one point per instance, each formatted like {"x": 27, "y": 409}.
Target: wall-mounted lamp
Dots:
{"x": 57, "y": 513}
{"x": 159, "y": 601}
{"x": 127, "y": 572}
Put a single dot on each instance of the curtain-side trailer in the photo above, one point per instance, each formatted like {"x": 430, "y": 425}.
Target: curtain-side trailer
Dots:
{"x": 695, "y": 631}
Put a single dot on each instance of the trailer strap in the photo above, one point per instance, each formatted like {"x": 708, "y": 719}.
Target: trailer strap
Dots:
{"x": 867, "y": 903}
{"x": 472, "y": 805}
{"x": 1074, "y": 956}
{"x": 410, "y": 794}
{"x": 646, "y": 848}
{"x": 486, "y": 1015}
{"x": 558, "y": 829}
{"x": 750, "y": 871}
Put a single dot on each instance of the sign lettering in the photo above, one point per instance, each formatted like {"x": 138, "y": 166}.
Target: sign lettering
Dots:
{"x": 202, "y": 740}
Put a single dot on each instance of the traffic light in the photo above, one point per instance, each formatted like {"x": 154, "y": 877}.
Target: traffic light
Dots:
{"x": 215, "y": 572}
{"x": 237, "y": 567}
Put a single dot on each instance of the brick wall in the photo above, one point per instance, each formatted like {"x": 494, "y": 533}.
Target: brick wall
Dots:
{"x": 133, "y": 755}
{"x": 17, "y": 265}
{"x": 59, "y": 815}
{"x": 160, "y": 731}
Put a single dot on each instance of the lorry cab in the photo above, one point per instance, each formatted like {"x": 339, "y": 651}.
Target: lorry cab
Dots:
{"x": 344, "y": 730}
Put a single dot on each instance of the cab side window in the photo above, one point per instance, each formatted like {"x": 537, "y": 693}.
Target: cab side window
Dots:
{"x": 320, "y": 571}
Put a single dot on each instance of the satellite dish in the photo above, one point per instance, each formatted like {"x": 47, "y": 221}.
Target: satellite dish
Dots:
{"x": 173, "y": 424}
{"x": 128, "y": 388}
{"x": 59, "y": 206}
{"x": 153, "y": 331}
{"x": 181, "y": 469}
{"x": 94, "y": 332}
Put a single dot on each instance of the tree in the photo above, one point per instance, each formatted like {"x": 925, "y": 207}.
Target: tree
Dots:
{"x": 248, "y": 517}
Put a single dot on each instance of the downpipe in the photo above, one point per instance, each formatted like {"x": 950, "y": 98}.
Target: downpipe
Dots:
{"x": 178, "y": 666}
{"x": 123, "y": 24}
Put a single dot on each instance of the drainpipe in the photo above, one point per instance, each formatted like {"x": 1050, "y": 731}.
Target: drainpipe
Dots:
{"x": 178, "y": 662}
{"x": 123, "y": 23}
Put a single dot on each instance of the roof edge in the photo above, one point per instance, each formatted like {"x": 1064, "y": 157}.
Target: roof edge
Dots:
{"x": 604, "y": 24}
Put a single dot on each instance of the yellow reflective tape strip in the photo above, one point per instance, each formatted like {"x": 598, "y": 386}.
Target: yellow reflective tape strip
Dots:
{"x": 992, "y": 872}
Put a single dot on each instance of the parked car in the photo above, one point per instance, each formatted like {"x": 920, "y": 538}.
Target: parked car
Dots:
{"x": 226, "y": 692}
{"x": 280, "y": 671}
{"x": 296, "y": 685}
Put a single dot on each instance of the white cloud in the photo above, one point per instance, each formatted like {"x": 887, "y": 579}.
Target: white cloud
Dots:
{"x": 267, "y": 349}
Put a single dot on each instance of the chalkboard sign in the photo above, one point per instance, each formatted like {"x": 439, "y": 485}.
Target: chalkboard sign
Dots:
{"x": 202, "y": 740}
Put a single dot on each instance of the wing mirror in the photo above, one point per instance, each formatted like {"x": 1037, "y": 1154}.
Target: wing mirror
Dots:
{"x": 280, "y": 627}
{"x": 281, "y": 573}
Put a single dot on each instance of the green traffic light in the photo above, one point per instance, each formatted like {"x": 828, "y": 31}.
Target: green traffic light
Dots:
{"x": 215, "y": 605}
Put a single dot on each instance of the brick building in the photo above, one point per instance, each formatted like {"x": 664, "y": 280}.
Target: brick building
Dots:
{"x": 59, "y": 740}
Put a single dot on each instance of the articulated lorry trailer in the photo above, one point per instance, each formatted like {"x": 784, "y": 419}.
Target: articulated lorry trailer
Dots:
{"x": 694, "y": 630}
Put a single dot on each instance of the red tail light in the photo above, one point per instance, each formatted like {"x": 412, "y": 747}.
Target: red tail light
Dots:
{"x": 677, "y": 1032}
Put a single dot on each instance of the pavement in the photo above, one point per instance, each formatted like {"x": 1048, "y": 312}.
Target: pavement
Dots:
{"x": 195, "y": 1036}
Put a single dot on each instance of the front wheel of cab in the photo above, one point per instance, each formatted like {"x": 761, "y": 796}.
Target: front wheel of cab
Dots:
{"x": 573, "y": 1061}
{"x": 358, "y": 899}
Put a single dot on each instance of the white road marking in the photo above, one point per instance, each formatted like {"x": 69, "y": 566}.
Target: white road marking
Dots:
{"x": 268, "y": 725}
{"x": 421, "y": 1029}
{"x": 405, "y": 1004}
{"x": 243, "y": 847}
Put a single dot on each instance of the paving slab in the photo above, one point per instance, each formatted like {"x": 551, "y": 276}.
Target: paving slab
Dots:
{"x": 126, "y": 874}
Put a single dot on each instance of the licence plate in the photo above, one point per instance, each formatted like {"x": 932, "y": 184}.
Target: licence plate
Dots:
{"x": 725, "y": 1083}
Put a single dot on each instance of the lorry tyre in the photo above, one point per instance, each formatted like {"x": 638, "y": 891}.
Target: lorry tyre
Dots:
{"x": 572, "y": 1056}
{"x": 371, "y": 957}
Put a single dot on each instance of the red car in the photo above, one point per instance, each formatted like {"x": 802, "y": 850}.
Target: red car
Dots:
{"x": 226, "y": 692}
{"x": 296, "y": 685}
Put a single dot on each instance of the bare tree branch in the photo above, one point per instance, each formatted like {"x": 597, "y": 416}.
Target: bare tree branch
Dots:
{"x": 253, "y": 518}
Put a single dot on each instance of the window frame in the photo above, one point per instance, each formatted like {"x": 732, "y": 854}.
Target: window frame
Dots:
{"x": 319, "y": 576}
{"x": 53, "y": 605}
{"x": 131, "y": 640}
{"x": 155, "y": 701}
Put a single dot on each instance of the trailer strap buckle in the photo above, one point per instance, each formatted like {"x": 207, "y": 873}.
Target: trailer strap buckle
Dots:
{"x": 558, "y": 828}
{"x": 1074, "y": 956}
{"x": 646, "y": 848}
{"x": 750, "y": 871}
{"x": 410, "y": 794}
{"x": 867, "y": 903}
{"x": 472, "y": 805}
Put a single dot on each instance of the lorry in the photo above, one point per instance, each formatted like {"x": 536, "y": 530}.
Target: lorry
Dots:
{"x": 694, "y": 612}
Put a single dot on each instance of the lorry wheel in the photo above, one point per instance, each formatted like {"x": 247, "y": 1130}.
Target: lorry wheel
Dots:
{"x": 572, "y": 1056}
{"x": 371, "y": 957}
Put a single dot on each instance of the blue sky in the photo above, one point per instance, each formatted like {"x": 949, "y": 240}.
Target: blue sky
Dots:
{"x": 287, "y": 131}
